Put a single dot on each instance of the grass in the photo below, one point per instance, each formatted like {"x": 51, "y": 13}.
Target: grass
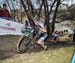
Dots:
{"x": 59, "y": 55}
{"x": 55, "y": 54}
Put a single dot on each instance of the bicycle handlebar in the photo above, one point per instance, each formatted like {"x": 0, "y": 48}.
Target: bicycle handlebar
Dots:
{"x": 28, "y": 33}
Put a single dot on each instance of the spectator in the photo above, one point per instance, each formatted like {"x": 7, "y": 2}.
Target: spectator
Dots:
{"x": 56, "y": 36}
{"x": 4, "y": 12}
{"x": 1, "y": 11}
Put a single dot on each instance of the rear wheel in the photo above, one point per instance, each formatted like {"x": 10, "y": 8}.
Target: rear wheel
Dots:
{"x": 23, "y": 44}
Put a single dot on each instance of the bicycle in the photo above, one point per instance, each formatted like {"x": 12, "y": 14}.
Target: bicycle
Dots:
{"x": 26, "y": 41}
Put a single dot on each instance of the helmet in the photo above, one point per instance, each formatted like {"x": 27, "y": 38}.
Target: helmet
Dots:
{"x": 36, "y": 18}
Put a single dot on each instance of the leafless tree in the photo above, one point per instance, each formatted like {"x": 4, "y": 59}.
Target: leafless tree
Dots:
{"x": 47, "y": 12}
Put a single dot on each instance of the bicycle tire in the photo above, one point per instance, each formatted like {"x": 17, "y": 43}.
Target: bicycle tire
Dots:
{"x": 24, "y": 42}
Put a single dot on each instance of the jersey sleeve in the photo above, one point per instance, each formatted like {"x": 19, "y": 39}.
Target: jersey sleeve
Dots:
{"x": 41, "y": 25}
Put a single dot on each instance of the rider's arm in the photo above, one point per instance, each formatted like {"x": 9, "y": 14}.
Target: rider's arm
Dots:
{"x": 43, "y": 29}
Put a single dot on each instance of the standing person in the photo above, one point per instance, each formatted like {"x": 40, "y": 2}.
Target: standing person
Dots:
{"x": 56, "y": 36}
{"x": 43, "y": 33}
{"x": 5, "y": 12}
{"x": 26, "y": 27}
{"x": 1, "y": 12}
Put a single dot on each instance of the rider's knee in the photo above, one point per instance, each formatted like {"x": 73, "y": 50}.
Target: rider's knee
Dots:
{"x": 39, "y": 41}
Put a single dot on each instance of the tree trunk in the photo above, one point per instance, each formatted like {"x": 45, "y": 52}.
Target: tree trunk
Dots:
{"x": 47, "y": 13}
{"x": 28, "y": 15}
{"x": 54, "y": 17}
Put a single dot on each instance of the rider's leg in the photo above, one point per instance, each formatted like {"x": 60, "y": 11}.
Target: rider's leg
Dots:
{"x": 41, "y": 41}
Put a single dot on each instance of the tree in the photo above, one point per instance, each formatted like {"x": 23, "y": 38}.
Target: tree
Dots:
{"x": 44, "y": 7}
{"x": 29, "y": 9}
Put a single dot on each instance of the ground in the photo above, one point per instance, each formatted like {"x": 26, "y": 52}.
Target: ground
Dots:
{"x": 57, "y": 53}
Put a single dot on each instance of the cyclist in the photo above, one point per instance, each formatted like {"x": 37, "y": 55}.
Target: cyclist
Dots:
{"x": 43, "y": 32}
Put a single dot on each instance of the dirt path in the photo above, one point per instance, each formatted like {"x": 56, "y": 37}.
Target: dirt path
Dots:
{"x": 8, "y": 46}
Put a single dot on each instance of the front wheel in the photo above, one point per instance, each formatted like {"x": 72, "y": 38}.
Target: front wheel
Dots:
{"x": 23, "y": 44}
